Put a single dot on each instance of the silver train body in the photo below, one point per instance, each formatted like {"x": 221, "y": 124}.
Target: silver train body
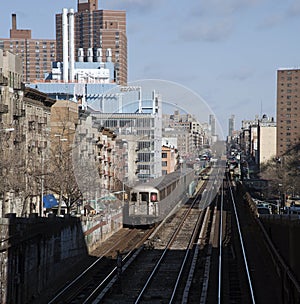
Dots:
{"x": 149, "y": 203}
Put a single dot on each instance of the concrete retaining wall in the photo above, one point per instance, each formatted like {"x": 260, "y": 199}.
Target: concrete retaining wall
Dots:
{"x": 33, "y": 252}
{"x": 284, "y": 231}
{"x": 98, "y": 228}
{"x": 281, "y": 233}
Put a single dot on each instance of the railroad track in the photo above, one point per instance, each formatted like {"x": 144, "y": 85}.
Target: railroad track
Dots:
{"x": 104, "y": 273}
{"x": 234, "y": 278}
{"x": 197, "y": 255}
{"x": 159, "y": 275}
{"x": 93, "y": 278}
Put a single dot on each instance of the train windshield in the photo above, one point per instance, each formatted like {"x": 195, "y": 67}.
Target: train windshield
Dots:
{"x": 144, "y": 196}
{"x": 133, "y": 197}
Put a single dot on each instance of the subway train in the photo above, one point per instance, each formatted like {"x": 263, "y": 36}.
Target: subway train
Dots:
{"x": 149, "y": 203}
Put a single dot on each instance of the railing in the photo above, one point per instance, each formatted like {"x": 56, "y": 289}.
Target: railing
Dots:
{"x": 3, "y": 108}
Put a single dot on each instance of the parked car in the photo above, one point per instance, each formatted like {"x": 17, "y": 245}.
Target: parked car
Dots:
{"x": 263, "y": 210}
{"x": 294, "y": 208}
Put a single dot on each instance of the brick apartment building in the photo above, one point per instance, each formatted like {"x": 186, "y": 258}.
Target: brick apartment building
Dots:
{"x": 97, "y": 29}
{"x": 288, "y": 109}
{"x": 36, "y": 54}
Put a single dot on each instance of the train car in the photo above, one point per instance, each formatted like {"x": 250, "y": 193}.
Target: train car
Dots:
{"x": 149, "y": 203}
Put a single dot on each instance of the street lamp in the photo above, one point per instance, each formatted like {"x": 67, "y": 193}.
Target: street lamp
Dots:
{"x": 60, "y": 163}
{"x": 45, "y": 133}
{"x": 280, "y": 203}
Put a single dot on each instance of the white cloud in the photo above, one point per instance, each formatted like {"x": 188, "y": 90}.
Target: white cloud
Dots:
{"x": 294, "y": 9}
{"x": 143, "y": 6}
{"x": 224, "y": 8}
{"x": 271, "y": 21}
{"x": 282, "y": 16}
{"x": 216, "y": 31}
{"x": 242, "y": 74}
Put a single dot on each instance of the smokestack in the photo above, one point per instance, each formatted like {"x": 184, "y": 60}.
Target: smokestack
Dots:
{"x": 80, "y": 55}
{"x": 65, "y": 44}
{"x": 108, "y": 55}
{"x": 71, "y": 44}
{"x": 90, "y": 55}
{"x": 99, "y": 55}
{"x": 14, "y": 22}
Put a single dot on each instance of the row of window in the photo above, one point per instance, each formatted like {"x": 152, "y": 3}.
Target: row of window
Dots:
{"x": 289, "y": 103}
{"x": 288, "y": 121}
{"x": 288, "y": 133}
{"x": 288, "y": 128}
{"x": 288, "y": 115}
{"x": 37, "y": 44}
{"x": 288, "y": 77}
{"x": 289, "y": 90}
{"x": 289, "y": 84}
{"x": 289, "y": 96}
{"x": 289, "y": 72}
{"x": 288, "y": 109}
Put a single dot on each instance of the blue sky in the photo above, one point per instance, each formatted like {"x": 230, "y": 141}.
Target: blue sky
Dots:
{"x": 227, "y": 51}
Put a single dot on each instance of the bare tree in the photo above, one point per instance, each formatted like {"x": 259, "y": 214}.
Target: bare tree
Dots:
{"x": 283, "y": 173}
{"x": 60, "y": 178}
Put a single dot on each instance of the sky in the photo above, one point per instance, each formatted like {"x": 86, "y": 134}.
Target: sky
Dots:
{"x": 226, "y": 51}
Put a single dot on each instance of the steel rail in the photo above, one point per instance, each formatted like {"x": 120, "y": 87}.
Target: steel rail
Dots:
{"x": 84, "y": 272}
{"x": 242, "y": 244}
{"x": 175, "y": 233}
{"x": 220, "y": 246}
{"x": 195, "y": 234}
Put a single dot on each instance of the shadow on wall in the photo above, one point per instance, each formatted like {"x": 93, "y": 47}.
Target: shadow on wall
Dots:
{"x": 35, "y": 251}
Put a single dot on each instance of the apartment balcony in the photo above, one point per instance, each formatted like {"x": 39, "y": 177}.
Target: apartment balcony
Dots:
{"x": 32, "y": 118}
{"x": 3, "y": 108}
{"x": 20, "y": 138}
{"x": 19, "y": 113}
{"x": 82, "y": 132}
{"x": 99, "y": 145}
{"x": 3, "y": 80}
{"x": 89, "y": 136}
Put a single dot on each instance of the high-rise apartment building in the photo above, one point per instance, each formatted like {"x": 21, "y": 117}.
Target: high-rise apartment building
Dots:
{"x": 36, "y": 54}
{"x": 96, "y": 32}
{"x": 212, "y": 123}
{"x": 231, "y": 125}
{"x": 266, "y": 139}
{"x": 288, "y": 109}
